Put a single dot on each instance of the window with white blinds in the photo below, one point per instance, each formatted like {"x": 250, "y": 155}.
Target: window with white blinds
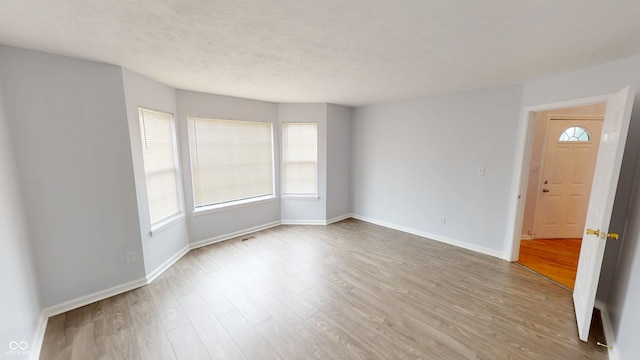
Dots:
{"x": 300, "y": 155}
{"x": 230, "y": 160}
{"x": 159, "y": 154}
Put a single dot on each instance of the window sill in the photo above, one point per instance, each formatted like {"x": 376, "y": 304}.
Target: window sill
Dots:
{"x": 165, "y": 223}
{"x": 301, "y": 197}
{"x": 233, "y": 205}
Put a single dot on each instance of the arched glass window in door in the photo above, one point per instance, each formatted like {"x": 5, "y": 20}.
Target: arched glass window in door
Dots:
{"x": 575, "y": 133}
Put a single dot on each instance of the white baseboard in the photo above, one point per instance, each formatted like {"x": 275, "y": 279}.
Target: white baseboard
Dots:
{"x": 219, "y": 238}
{"x": 526, "y": 237}
{"x": 36, "y": 344}
{"x": 608, "y": 330}
{"x": 439, "y": 238}
{"x": 315, "y": 222}
{"x": 303, "y": 222}
{"x": 165, "y": 265}
{"x": 91, "y": 298}
{"x": 338, "y": 218}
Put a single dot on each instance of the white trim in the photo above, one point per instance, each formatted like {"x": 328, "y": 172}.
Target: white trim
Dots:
{"x": 608, "y": 330}
{"x": 443, "y": 239}
{"x": 521, "y": 166}
{"x": 165, "y": 265}
{"x": 300, "y": 197}
{"x": 338, "y": 218}
{"x": 316, "y": 222}
{"x": 234, "y": 204}
{"x": 232, "y": 235}
{"x": 36, "y": 345}
{"x": 303, "y": 222}
{"x": 526, "y": 237}
{"x": 166, "y": 223}
{"x": 91, "y": 298}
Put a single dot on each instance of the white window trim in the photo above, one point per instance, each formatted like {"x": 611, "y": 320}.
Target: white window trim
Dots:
{"x": 203, "y": 210}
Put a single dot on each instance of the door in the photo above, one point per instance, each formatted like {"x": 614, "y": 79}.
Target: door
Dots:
{"x": 570, "y": 154}
{"x": 605, "y": 181}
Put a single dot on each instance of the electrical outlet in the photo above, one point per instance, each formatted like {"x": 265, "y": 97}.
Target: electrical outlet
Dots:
{"x": 131, "y": 257}
{"x": 443, "y": 220}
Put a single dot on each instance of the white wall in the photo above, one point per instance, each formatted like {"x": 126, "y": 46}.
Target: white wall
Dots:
{"x": 415, "y": 161}
{"x": 141, "y": 91}
{"x": 213, "y": 225}
{"x": 306, "y": 210}
{"x": 620, "y": 279}
{"x": 338, "y": 161}
{"x": 68, "y": 124}
{"x": 20, "y": 304}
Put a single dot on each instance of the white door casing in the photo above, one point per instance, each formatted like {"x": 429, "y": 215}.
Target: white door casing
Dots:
{"x": 566, "y": 179}
{"x": 605, "y": 181}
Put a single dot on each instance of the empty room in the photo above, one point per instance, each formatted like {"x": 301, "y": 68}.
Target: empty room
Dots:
{"x": 364, "y": 179}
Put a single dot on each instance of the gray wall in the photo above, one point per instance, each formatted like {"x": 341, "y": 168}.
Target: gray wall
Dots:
{"x": 306, "y": 210}
{"x": 20, "y": 304}
{"x": 415, "y": 161}
{"x": 619, "y": 285}
{"x": 141, "y": 91}
{"x": 225, "y": 221}
{"x": 338, "y": 161}
{"x": 68, "y": 124}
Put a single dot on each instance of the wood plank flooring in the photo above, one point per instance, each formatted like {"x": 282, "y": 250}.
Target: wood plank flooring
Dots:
{"x": 556, "y": 259}
{"x": 350, "y": 290}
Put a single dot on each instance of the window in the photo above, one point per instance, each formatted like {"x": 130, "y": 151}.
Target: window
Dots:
{"x": 230, "y": 160}
{"x": 300, "y": 155}
{"x": 575, "y": 133}
{"x": 160, "y": 169}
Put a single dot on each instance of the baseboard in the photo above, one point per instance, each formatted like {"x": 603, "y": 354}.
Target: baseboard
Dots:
{"x": 315, "y": 222}
{"x": 526, "y": 237}
{"x": 608, "y": 330}
{"x": 435, "y": 237}
{"x": 36, "y": 345}
{"x": 165, "y": 265}
{"x": 303, "y": 222}
{"x": 219, "y": 238}
{"x": 338, "y": 218}
{"x": 91, "y": 298}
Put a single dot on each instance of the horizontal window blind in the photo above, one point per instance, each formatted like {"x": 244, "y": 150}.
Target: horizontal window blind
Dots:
{"x": 300, "y": 143}
{"x": 158, "y": 151}
{"x": 230, "y": 160}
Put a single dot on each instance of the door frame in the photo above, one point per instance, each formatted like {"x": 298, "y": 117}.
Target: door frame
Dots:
{"x": 550, "y": 118}
{"x": 522, "y": 163}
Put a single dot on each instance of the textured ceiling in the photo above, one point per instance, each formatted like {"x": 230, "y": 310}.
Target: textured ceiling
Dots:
{"x": 351, "y": 52}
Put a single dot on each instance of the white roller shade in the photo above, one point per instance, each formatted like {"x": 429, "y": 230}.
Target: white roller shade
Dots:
{"x": 158, "y": 151}
{"x": 230, "y": 160}
{"x": 300, "y": 154}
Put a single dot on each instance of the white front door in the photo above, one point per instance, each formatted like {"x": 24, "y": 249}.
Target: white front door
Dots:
{"x": 605, "y": 181}
{"x": 563, "y": 196}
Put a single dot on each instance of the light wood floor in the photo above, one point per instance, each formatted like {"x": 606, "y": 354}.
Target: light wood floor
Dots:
{"x": 351, "y": 290}
{"x": 555, "y": 258}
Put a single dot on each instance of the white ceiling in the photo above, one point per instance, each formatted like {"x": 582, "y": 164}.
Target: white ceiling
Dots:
{"x": 351, "y": 52}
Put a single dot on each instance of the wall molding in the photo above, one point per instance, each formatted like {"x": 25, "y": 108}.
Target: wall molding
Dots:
{"x": 442, "y": 239}
{"x": 91, "y": 298}
{"x": 338, "y": 218}
{"x": 167, "y": 264}
{"x": 608, "y": 329}
{"x": 36, "y": 345}
{"x": 216, "y": 239}
{"x": 303, "y": 222}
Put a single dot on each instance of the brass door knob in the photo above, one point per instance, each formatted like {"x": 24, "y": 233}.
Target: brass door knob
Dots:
{"x": 593, "y": 232}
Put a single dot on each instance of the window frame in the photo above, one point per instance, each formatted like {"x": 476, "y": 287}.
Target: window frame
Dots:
{"x": 205, "y": 209}
{"x": 298, "y": 196}
{"x": 163, "y": 223}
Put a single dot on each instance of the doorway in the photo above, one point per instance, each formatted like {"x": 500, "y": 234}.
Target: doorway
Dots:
{"x": 563, "y": 155}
